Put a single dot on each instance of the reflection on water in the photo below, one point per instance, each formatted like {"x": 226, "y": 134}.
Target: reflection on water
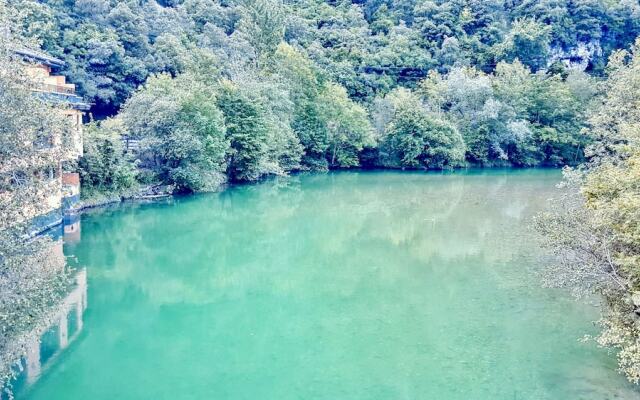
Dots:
{"x": 334, "y": 286}
{"x": 71, "y": 229}
{"x": 49, "y": 339}
{"x": 66, "y": 327}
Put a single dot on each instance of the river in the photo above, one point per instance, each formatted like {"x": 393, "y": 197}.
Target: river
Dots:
{"x": 347, "y": 285}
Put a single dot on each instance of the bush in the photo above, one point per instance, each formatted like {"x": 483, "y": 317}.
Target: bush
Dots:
{"x": 103, "y": 167}
{"x": 416, "y": 139}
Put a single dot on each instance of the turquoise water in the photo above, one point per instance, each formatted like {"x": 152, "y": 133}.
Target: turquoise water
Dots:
{"x": 355, "y": 285}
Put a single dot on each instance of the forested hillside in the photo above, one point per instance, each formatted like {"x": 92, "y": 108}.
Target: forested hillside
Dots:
{"x": 369, "y": 47}
{"x": 237, "y": 90}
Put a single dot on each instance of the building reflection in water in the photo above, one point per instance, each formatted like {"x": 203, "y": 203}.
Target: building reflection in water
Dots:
{"x": 48, "y": 341}
{"x": 65, "y": 326}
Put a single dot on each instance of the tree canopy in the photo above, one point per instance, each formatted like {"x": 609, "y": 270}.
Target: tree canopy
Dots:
{"x": 238, "y": 90}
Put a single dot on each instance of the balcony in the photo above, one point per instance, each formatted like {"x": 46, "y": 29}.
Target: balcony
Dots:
{"x": 69, "y": 98}
{"x": 51, "y": 88}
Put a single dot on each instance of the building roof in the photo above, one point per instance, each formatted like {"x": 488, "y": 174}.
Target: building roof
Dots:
{"x": 52, "y": 92}
{"x": 39, "y": 56}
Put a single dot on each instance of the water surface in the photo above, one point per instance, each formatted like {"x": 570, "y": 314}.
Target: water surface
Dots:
{"x": 368, "y": 285}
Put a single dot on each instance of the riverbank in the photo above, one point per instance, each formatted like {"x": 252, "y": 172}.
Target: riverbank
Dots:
{"x": 160, "y": 191}
{"x": 143, "y": 193}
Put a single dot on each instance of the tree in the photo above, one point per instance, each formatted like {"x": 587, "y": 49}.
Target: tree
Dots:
{"x": 181, "y": 130}
{"x": 368, "y": 46}
{"x": 347, "y": 124}
{"x": 99, "y": 64}
{"x": 613, "y": 123}
{"x": 513, "y": 115}
{"x": 416, "y": 139}
{"x": 528, "y": 41}
{"x": 33, "y": 138}
{"x": 284, "y": 151}
{"x": 103, "y": 166}
{"x": 594, "y": 231}
{"x": 304, "y": 82}
{"x": 247, "y": 133}
{"x": 262, "y": 26}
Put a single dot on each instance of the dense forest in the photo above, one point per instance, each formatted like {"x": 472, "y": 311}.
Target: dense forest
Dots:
{"x": 221, "y": 91}
{"x": 216, "y": 91}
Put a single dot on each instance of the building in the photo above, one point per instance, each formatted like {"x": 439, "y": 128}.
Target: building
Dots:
{"x": 64, "y": 187}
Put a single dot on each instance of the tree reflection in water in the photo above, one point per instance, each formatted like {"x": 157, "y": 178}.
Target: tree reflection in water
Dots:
{"x": 26, "y": 355}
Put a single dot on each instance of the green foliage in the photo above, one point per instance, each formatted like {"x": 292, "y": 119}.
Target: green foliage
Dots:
{"x": 33, "y": 137}
{"x": 304, "y": 82}
{"x": 103, "y": 167}
{"x": 498, "y": 73}
{"x": 595, "y": 232}
{"x": 416, "y": 139}
{"x": 284, "y": 150}
{"x": 512, "y": 116}
{"x": 346, "y": 125}
{"x": 181, "y": 130}
{"x": 247, "y": 133}
{"x": 367, "y": 46}
{"x": 262, "y": 26}
{"x": 528, "y": 41}
{"x": 331, "y": 127}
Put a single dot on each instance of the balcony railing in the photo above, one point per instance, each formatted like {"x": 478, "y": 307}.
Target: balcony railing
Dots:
{"x": 49, "y": 88}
